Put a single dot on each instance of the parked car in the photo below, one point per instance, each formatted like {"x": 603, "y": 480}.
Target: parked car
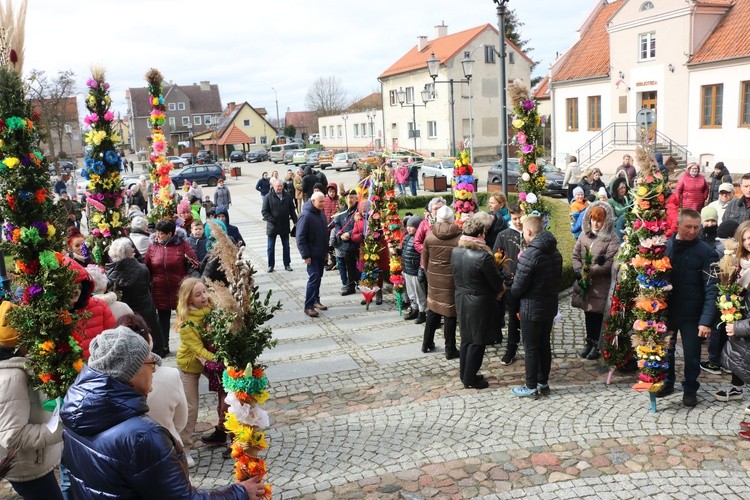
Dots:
{"x": 256, "y": 155}
{"x": 189, "y": 158}
{"x": 442, "y": 168}
{"x": 325, "y": 159}
{"x": 554, "y": 177}
{"x": 202, "y": 174}
{"x": 312, "y": 158}
{"x": 237, "y": 155}
{"x": 288, "y": 156}
{"x": 278, "y": 151}
{"x": 300, "y": 156}
{"x": 61, "y": 167}
{"x": 346, "y": 161}
{"x": 130, "y": 179}
{"x": 177, "y": 161}
{"x": 206, "y": 156}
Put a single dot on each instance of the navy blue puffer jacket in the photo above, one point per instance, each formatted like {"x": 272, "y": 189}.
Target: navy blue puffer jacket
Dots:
{"x": 538, "y": 278}
{"x": 113, "y": 450}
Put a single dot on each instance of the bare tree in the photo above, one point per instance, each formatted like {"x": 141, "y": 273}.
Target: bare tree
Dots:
{"x": 326, "y": 96}
{"x": 49, "y": 97}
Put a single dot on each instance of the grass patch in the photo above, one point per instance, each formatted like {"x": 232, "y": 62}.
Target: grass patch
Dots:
{"x": 559, "y": 226}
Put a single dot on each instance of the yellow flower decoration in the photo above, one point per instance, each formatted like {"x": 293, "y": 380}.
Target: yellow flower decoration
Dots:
{"x": 92, "y": 100}
{"x": 114, "y": 138}
{"x": 154, "y": 101}
{"x": 517, "y": 123}
{"x": 264, "y": 395}
{"x": 103, "y": 226}
{"x": 95, "y": 137}
{"x": 11, "y": 162}
{"x": 78, "y": 365}
{"x": 50, "y": 231}
{"x": 46, "y": 346}
{"x": 96, "y": 218}
{"x": 107, "y": 100}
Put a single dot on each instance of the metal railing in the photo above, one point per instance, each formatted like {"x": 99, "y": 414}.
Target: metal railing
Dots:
{"x": 623, "y": 134}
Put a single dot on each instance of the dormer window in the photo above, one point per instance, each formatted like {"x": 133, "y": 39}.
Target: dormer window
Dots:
{"x": 646, "y": 6}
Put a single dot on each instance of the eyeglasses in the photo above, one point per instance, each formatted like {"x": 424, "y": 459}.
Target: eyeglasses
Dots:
{"x": 153, "y": 364}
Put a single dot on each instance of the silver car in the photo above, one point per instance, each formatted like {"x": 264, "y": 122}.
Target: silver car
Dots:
{"x": 442, "y": 168}
{"x": 345, "y": 161}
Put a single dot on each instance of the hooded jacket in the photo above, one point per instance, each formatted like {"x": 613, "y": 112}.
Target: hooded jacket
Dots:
{"x": 113, "y": 450}
{"x": 344, "y": 223}
{"x": 692, "y": 191}
{"x": 191, "y": 342}
{"x": 331, "y": 205}
{"x": 232, "y": 231}
{"x": 436, "y": 260}
{"x": 100, "y": 315}
{"x": 716, "y": 181}
{"x": 312, "y": 233}
{"x": 603, "y": 244}
{"x": 477, "y": 281}
{"x": 22, "y": 421}
{"x": 167, "y": 263}
{"x": 537, "y": 278}
{"x": 736, "y": 354}
{"x": 133, "y": 280}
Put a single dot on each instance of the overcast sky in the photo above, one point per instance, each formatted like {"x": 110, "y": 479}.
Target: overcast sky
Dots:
{"x": 247, "y": 47}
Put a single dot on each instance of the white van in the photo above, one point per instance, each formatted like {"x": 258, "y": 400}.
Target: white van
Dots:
{"x": 278, "y": 150}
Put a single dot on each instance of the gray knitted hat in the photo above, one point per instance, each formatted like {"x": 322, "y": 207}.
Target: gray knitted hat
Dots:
{"x": 119, "y": 353}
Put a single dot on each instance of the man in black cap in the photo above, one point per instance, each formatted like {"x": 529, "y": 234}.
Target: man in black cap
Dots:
{"x": 719, "y": 176}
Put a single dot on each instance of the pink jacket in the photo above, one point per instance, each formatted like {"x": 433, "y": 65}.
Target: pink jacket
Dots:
{"x": 401, "y": 174}
{"x": 692, "y": 191}
{"x": 421, "y": 234}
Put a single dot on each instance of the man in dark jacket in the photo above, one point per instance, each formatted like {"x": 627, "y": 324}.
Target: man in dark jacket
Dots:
{"x": 346, "y": 250}
{"x": 535, "y": 285}
{"x": 222, "y": 213}
{"x": 508, "y": 242}
{"x": 738, "y": 209}
{"x": 112, "y": 450}
{"x": 719, "y": 176}
{"x": 309, "y": 179}
{"x": 312, "y": 242}
{"x": 278, "y": 208}
{"x": 692, "y": 302}
{"x": 628, "y": 168}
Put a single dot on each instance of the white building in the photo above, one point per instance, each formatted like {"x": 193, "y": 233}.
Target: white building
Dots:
{"x": 687, "y": 60}
{"x": 478, "y": 100}
{"x": 360, "y": 128}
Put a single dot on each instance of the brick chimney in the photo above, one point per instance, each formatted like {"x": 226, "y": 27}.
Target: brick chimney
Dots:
{"x": 421, "y": 43}
{"x": 441, "y": 30}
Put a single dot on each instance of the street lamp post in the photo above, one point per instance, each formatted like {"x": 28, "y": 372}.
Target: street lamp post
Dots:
{"x": 345, "y": 117}
{"x": 401, "y": 95}
{"x": 278, "y": 122}
{"x": 371, "y": 114}
{"x": 433, "y": 66}
{"x": 501, "y": 11}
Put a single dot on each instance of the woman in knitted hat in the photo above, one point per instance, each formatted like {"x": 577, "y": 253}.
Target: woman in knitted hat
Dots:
{"x": 112, "y": 449}
{"x": 23, "y": 422}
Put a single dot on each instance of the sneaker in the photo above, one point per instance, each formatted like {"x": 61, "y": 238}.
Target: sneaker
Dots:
{"x": 725, "y": 371}
{"x": 216, "y": 438}
{"x": 227, "y": 453}
{"x": 525, "y": 392}
{"x": 507, "y": 359}
{"x": 190, "y": 461}
{"x": 543, "y": 389}
{"x": 730, "y": 394}
{"x": 711, "y": 368}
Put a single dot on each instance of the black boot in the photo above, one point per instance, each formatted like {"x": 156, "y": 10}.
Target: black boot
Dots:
{"x": 421, "y": 318}
{"x": 449, "y": 333}
{"x": 428, "y": 340}
{"x": 413, "y": 313}
{"x": 593, "y": 353}
{"x": 586, "y": 350}
{"x": 379, "y": 297}
{"x": 348, "y": 290}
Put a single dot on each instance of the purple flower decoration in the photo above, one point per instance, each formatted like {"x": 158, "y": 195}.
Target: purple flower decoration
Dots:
{"x": 528, "y": 104}
{"x": 544, "y": 120}
{"x": 85, "y": 251}
{"x": 527, "y": 148}
{"x": 91, "y": 83}
{"x": 35, "y": 290}
{"x": 41, "y": 227}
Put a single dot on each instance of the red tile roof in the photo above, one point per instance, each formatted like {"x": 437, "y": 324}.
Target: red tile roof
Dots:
{"x": 303, "y": 121}
{"x": 589, "y": 57}
{"x": 444, "y": 48}
{"x": 541, "y": 91}
{"x": 374, "y": 100}
{"x": 729, "y": 39}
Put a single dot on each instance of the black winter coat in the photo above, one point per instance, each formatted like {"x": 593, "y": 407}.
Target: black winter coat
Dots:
{"x": 277, "y": 212}
{"x": 113, "y": 450}
{"x": 737, "y": 211}
{"x": 509, "y": 241}
{"x": 694, "y": 289}
{"x": 716, "y": 181}
{"x": 498, "y": 225}
{"x": 344, "y": 223}
{"x": 477, "y": 280}
{"x": 312, "y": 233}
{"x": 736, "y": 354}
{"x": 410, "y": 258}
{"x": 538, "y": 278}
{"x": 133, "y": 280}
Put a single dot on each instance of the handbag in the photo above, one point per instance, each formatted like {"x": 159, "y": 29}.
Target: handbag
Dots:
{"x": 191, "y": 266}
{"x": 422, "y": 276}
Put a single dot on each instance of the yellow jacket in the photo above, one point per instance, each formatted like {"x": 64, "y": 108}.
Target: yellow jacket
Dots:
{"x": 191, "y": 343}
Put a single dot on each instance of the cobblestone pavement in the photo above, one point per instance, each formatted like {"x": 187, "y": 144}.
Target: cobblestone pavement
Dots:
{"x": 358, "y": 411}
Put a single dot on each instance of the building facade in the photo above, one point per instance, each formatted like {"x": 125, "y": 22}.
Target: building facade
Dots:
{"x": 687, "y": 61}
{"x": 476, "y": 108}
{"x": 359, "y": 128}
{"x": 240, "y": 127}
{"x": 191, "y": 110}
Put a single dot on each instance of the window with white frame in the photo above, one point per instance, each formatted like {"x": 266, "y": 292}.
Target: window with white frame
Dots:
{"x": 207, "y": 119}
{"x": 340, "y": 130}
{"x": 245, "y": 123}
{"x": 186, "y": 120}
{"x": 324, "y": 132}
{"x": 198, "y": 120}
{"x": 647, "y": 46}
{"x": 356, "y": 130}
{"x": 431, "y": 88}
{"x": 181, "y": 106}
{"x": 432, "y": 129}
{"x": 392, "y": 97}
{"x": 330, "y": 132}
{"x": 172, "y": 106}
{"x": 409, "y": 95}
{"x": 172, "y": 122}
{"x": 263, "y": 139}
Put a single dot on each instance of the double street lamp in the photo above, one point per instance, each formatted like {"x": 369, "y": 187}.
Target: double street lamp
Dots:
{"x": 371, "y": 114}
{"x": 433, "y": 66}
{"x": 401, "y": 95}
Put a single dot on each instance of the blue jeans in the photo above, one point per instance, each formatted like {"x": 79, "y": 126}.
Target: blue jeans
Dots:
{"x": 285, "y": 250}
{"x": 315, "y": 275}
{"x": 691, "y": 351}
{"x": 45, "y": 487}
{"x": 716, "y": 343}
{"x": 413, "y": 185}
{"x": 402, "y": 189}
{"x": 348, "y": 269}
